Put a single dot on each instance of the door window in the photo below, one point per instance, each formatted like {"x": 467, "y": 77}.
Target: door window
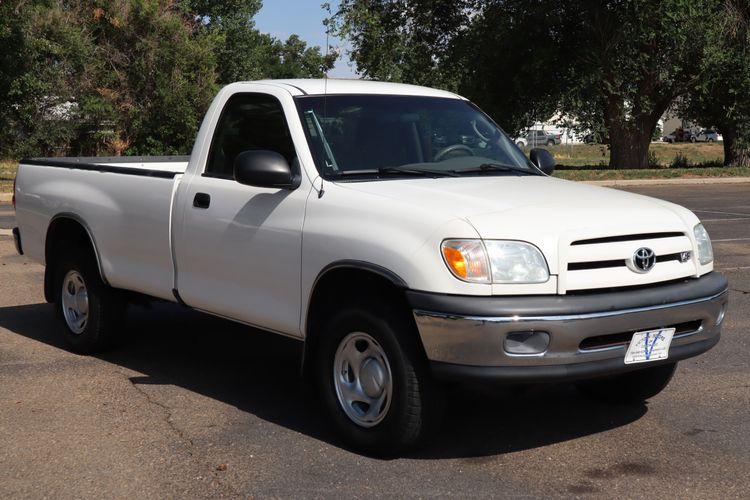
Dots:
{"x": 248, "y": 122}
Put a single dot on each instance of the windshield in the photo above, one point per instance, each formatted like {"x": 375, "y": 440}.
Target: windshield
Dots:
{"x": 374, "y": 135}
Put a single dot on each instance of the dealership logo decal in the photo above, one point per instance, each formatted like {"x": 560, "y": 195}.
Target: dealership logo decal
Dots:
{"x": 643, "y": 260}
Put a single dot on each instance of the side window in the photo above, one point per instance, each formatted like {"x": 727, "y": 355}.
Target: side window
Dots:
{"x": 248, "y": 122}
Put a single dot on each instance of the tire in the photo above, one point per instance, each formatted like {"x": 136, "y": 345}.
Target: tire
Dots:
{"x": 373, "y": 380}
{"x": 550, "y": 143}
{"x": 89, "y": 311}
{"x": 693, "y": 139}
{"x": 631, "y": 387}
{"x": 520, "y": 144}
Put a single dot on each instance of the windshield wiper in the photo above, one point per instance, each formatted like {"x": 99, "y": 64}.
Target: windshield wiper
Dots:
{"x": 397, "y": 171}
{"x": 495, "y": 167}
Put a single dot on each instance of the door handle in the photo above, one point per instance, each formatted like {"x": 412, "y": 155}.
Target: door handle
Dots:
{"x": 202, "y": 200}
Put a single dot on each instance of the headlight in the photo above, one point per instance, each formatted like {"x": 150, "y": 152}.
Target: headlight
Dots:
{"x": 495, "y": 261}
{"x": 705, "y": 251}
{"x": 516, "y": 262}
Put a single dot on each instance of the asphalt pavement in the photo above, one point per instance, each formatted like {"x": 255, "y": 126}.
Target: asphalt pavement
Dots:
{"x": 192, "y": 406}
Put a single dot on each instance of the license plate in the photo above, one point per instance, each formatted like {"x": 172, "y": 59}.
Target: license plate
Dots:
{"x": 649, "y": 346}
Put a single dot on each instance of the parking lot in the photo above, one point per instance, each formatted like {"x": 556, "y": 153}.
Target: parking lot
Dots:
{"x": 193, "y": 406}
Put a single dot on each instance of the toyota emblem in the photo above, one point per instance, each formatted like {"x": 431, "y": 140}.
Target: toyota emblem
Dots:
{"x": 643, "y": 260}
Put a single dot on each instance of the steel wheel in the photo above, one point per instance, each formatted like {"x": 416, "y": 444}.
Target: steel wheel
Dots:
{"x": 75, "y": 302}
{"x": 363, "y": 379}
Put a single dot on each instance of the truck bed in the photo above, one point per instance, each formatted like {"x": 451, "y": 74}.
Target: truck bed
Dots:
{"x": 125, "y": 204}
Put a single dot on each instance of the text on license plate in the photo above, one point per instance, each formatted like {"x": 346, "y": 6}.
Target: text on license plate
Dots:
{"x": 650, "y": 345}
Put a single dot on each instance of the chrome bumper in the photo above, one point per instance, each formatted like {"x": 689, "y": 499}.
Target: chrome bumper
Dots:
{"x": 589, "y": 340}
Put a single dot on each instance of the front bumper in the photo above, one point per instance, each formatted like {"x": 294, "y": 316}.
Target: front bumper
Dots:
{"x": 588, "y": 334}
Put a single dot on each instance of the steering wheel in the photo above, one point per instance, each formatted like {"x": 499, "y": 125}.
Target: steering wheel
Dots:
{"x": 479, "y": 134}
{"x": 449, "y": 149}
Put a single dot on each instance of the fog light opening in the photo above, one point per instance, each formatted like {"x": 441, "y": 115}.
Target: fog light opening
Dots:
{"x": 526, "y": 343}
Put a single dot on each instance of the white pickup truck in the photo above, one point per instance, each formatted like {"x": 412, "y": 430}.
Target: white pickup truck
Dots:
{"x": 398, "y": 232}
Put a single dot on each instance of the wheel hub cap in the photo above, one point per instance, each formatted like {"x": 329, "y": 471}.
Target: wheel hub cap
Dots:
{"x": 75, "y": 302}
{"x": 362, "y": 379}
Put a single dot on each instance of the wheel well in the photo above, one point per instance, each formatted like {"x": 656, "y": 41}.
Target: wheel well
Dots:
{"x": 63, "y": 234}
{"x": 345, "y": 285}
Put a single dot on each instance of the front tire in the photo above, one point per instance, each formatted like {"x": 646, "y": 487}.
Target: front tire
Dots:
{"x": 373, "y": 380}
{"x": 89, "y": 311}
{"x": 631, "y": 387}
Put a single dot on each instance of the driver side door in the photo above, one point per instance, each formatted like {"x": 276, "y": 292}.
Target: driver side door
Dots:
{"x": 238, "y": 247}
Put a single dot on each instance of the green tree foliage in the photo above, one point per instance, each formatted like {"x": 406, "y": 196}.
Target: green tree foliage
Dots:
{"x": 129, "y": 76}
{"x": 404, "y": 41}
{"x": 150, "y": 80}
{"x": 41, "y": 56}
{"x": 632, "y": 59}
{"x": 722, "y": 97}
{"x": 614, "y": 65}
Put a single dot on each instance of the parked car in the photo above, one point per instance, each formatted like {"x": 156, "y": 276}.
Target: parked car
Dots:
{"x": 323, "y": 212}
{"x": 707, "y": 136}
{"x": 534, "y": 138}
{"x": 679, "y": 135}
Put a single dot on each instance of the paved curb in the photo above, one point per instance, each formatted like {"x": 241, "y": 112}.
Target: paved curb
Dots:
{"x": 656, "y": 182}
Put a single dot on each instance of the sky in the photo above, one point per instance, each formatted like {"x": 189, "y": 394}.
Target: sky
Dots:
{"x": 281, "y": 18}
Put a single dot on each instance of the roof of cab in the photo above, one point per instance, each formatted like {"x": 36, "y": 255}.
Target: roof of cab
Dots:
{"x": 333, "y": 86}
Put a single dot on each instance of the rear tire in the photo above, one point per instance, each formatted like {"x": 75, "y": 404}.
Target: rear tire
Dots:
{"x": 373, "y": 380}
{"x": 631, "y": 387}
{"x": 89, "y": 311}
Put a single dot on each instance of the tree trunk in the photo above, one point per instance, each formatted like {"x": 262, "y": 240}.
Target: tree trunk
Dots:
{"x": 629, "y": 147}
{"x": 734, "y": 155}
{"x": 729, "y": 135}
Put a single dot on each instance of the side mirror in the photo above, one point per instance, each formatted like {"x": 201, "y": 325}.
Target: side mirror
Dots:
{"x": 263, "y": 168}
{"x": 543, "y": 160}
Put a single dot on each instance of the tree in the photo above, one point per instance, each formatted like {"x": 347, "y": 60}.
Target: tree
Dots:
{"x": 129, "y": 76}
{"x": 244, "y": 53}
{"x": 42, "y": 58}
{"x": 616, "y": 65}
{"x": 152, "y": 78}
{"x": 632, "y": 59}
{"x": 403, "y": 41}
{"x": 722, "y": 98}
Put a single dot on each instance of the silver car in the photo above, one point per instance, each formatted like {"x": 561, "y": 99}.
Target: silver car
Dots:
{"x": 534, "y": 138}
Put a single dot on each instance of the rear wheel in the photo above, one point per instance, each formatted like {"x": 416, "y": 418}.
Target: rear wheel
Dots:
{"x": 550, "y": 143}
{"x": 373, "y": 380}
{"x": 631, "y": 387}
{"x": 89, "y": 310}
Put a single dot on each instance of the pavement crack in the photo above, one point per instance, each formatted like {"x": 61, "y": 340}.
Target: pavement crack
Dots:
{"x": 217, "y": 480}
{"x": 168, "y": 414}
{"x": 740, "y": 291}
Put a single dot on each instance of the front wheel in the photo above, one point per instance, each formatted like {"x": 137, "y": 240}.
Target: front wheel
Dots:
{"x": 374, "y": 382}
{"x": 631, "y": 387}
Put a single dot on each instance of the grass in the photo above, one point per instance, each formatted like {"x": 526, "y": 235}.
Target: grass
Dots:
{"x": 585, "y": 162}
{"x": 596, "y": 155}
{"x": 7, "y": 174}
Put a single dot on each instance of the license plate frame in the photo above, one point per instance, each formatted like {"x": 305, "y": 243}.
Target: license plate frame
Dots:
{"x": 649, "y": 345}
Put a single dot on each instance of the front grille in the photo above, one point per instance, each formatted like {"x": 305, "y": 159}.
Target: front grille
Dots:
{"x": 605, "y": 262}
{"x": 623, "y": 338}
